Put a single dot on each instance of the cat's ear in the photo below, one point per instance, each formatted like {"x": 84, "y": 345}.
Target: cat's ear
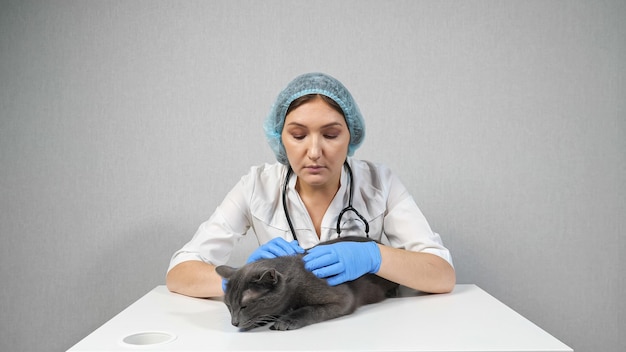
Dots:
{"x": 269, "y": 277}
{"x": 225, "y": 271}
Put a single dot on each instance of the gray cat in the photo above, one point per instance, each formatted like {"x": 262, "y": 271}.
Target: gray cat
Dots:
{"x": 280, "y": 291}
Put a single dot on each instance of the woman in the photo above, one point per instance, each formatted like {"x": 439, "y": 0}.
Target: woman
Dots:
{"x": 299, "y": 202}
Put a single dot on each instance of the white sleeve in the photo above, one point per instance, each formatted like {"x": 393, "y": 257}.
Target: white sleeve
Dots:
{"x": 215, "y": 238}
{"x": 406, "y": 227}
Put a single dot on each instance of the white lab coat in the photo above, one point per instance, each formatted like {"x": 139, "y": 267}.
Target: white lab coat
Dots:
{"x": 256, "y": 203}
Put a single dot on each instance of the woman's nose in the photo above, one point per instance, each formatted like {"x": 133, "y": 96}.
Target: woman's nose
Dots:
{"x": 315, "y": 150}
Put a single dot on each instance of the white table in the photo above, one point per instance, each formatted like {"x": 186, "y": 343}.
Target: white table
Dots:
{"x": 468, "y": 319}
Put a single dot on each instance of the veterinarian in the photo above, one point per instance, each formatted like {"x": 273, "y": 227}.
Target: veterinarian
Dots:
{"x": 316, "y": 192}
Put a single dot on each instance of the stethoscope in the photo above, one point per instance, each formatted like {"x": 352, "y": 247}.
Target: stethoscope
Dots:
{"x": 345, "y": 210}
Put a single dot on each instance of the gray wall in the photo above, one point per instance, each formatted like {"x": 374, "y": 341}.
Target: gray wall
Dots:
{"x": 124, "y": 123}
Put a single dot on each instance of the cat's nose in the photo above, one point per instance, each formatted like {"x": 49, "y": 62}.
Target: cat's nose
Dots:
{"x": 234, "y": 321}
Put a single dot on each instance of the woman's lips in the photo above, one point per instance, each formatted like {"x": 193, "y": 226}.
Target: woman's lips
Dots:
{"x": 314, "y": 168}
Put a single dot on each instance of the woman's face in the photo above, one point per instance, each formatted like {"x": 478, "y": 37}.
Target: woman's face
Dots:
{"x": 316, "y": 139}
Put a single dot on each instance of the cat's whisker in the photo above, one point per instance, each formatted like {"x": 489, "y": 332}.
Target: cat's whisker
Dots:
{"x": 266, "y": 319}
{"x": 259, "y": 321}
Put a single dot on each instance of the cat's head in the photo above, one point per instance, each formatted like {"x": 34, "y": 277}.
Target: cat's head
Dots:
{"x": 255, "y": 294}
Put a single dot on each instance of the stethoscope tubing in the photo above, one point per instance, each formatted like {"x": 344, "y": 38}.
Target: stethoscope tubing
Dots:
{"x": 343, "y": 211}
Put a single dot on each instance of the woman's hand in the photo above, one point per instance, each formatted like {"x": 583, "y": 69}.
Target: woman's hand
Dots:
{"x": 277, "y": 247}
{"x": 343, "y": 261}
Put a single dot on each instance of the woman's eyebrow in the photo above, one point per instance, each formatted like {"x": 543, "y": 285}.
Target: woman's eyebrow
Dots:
{"x": 332, "y": 124}
{"x": 295, "y": 124}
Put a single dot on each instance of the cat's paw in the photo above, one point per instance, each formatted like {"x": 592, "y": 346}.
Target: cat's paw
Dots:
{"x": 286, "y": 324}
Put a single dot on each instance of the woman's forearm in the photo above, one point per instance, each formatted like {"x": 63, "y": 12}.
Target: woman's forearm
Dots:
{"x": 420, "y": 271}
{"x": 195, "y": 279}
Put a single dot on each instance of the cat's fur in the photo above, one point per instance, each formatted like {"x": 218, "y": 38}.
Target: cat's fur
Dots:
{"x": 280, "y": 291}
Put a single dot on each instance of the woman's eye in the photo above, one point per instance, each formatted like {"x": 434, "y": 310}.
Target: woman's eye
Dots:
{"x": 330, "y": 136}
{"x": 298, "y": 136}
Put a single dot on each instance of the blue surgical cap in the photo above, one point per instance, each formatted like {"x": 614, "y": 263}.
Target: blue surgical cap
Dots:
{"x": 313, "y": 83}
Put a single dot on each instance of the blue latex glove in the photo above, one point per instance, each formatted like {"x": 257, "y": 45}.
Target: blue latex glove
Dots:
{"x": 224, "y": 282}
{"x": 277, "y": 247}
{"x": 343, "y": 261}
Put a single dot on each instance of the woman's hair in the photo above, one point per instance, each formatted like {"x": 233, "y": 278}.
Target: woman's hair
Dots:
{"x": 311, "y": 97}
